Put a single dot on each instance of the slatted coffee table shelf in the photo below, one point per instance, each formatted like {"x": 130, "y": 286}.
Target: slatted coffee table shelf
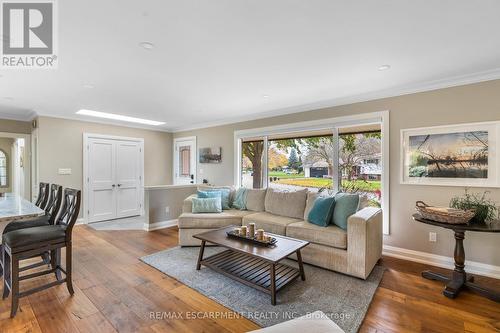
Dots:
{"x": 254, "y": 265}
{"x": 251, "y": 271}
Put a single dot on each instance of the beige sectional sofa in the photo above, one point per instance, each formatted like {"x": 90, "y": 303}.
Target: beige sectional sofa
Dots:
{"x": 354, "y": 251}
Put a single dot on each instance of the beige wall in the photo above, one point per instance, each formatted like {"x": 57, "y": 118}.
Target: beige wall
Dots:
{"x": 471, "y": 103}
{"x": 6, "y": 146}
{"x": 14, "y": 126}
{"x": 157, "y": 199}
{"x": 60, "y": 144}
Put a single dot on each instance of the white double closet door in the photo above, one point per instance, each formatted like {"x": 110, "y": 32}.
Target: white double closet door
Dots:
{"x": 114, "y": 177}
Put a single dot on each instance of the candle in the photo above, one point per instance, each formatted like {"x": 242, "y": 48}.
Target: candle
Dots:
{"x": 243, "y": 231}
{"x": 251, "y": 229}
{"x": 260, "y": 234}
{"x": 237, "y": 231}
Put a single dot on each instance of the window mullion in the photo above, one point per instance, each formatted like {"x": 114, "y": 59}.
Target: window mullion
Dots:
{"x": 265, "y": 181}
{"x": 336, "y": 172}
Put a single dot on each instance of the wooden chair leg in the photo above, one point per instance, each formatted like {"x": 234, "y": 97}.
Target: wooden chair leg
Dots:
{"x": 69, "y": 280}
{"x": 54, "y": 262}
{"x": 7, "y": 277}
{"x": 1, "y": 258}
{"x": 15, "y": 285}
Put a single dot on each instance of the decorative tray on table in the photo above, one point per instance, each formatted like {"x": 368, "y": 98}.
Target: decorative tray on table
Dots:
{"x": 234, "y": 234}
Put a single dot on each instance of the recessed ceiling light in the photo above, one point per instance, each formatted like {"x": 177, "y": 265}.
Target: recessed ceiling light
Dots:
{"x": 384, "y": 67}
{"x": 265, "y": 96}
{"x": 88, "y": 86}
{"x": 119, "y": 117}
{"x": 147, "y": 45}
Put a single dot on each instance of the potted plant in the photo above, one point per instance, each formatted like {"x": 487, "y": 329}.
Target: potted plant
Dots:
{"x": 486, "y": 209}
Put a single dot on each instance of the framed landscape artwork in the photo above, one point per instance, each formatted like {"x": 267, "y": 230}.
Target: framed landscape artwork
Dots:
{"x": 210, "y": 155}
{"x": 455, "y": 155}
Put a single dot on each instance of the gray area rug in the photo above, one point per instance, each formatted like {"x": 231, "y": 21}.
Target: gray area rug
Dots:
{"x": 344, "y": 299}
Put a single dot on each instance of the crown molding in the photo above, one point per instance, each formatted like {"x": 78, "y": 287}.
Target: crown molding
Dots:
{"x": 455, "y": 81}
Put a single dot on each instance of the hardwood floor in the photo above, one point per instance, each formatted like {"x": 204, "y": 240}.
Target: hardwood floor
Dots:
{"x": 115, "y": 292}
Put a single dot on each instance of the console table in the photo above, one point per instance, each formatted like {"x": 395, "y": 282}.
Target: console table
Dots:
{"x": 459, "y": 279}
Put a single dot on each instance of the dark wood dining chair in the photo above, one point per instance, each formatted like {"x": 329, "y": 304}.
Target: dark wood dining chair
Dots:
{"x": 43, "y": 195}
{"x": 31, "y": 242}
{"x": 51, "y": 211}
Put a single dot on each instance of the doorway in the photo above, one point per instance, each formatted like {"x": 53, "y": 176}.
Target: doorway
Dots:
{"x": 15, "y": 165}
{"x": 113, "y": 177}
{"x": 185, "y": 161}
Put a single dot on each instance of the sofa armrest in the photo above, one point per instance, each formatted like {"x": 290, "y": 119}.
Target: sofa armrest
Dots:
{"x": 364, "y": 241}
{"x": 187, "y": 204}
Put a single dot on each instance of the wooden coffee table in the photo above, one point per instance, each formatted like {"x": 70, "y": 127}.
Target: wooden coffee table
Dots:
{"x": 254, "y": 265}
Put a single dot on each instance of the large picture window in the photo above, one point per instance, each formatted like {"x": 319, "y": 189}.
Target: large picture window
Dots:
{"x": 341, "y": 157}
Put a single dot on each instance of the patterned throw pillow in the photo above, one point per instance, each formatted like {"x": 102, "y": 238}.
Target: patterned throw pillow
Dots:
{"x": 223, "y": 193}
{"x": 240, "y": 199}
{"x": 209, "y": 194}
{"x": 207, "y": 205}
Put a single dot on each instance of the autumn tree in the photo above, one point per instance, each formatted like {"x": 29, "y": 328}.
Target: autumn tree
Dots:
{"x": 276, "y": 159}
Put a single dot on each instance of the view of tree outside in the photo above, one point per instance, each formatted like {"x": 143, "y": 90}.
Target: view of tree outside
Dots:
{"x": 251, "y": 164}
{"x": 307, "y": 162}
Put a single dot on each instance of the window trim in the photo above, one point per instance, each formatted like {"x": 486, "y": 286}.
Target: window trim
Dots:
{"x": 334, "y": 124}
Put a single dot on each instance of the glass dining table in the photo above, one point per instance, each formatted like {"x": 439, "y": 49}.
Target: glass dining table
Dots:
{"x": 15, "y": 208}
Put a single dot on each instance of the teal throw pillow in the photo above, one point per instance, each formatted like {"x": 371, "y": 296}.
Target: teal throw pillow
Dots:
{"x": 321, "y": 213}
{"x": 346, "y": 204}
{"x": 224, "y": 193}
{"x": 207, "y": 205}
{"x": 209, "y": 194}
{"x": 240, "y": 199}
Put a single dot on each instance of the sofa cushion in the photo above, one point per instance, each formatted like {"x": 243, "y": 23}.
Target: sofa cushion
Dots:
{"x": 346, "y": 204}
{"x": 210, "y": 220}
{"x": 256, "y": 199}
{"x": 269, "y": 222}
{"x": 321, "y": 213}
{"x": 311, "y": 197}
{"x": 207, "y": 205}
{"x": 330, "y": 236}
{"x": 289, "y": 204}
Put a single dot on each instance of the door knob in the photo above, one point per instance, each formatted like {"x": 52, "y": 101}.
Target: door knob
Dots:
{"x": 113, "y": 185}
{"x": 119, "y": 185}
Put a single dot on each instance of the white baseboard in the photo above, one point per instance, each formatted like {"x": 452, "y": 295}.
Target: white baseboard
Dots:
{"x": 81, "y": 220}
{"x": 160, "y": 225}
{"x": 472, "y": 267}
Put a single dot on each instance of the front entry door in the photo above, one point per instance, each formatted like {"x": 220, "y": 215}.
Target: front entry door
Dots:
{"x": 185, "y": 161}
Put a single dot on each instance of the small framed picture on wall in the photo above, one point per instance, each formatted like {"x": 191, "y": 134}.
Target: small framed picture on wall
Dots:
{"x": 452, "y": 155}
{"x": 210, "y": 155}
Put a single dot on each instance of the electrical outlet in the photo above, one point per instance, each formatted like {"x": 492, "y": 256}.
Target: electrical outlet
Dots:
{"x": 167, "y": 210}
{"x": 432, "y": 237}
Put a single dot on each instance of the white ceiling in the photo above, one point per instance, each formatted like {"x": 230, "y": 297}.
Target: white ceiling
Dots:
{"x": 214, "y": 61}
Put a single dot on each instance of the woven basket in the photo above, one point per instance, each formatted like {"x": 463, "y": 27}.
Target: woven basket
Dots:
{"x": 444, "y": 214}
